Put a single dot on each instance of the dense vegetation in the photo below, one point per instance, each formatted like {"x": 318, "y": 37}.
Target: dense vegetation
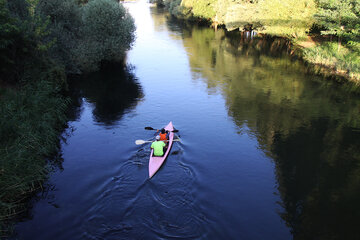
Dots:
{"x": 328, "y": 29}
{"x": 41, "y": 42}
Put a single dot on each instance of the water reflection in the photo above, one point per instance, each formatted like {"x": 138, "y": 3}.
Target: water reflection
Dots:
{"x": 308, "y": 125}
{"x": 319, "y": 179}
{"x": 113, "y": 91}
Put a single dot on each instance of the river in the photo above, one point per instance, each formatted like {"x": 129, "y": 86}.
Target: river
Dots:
{"x": 268, "y": 150}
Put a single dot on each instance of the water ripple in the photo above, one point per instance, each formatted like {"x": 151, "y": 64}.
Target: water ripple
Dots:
{"x": 134, "y": 207}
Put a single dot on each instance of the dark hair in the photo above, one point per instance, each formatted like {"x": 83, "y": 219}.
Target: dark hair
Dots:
{"x": 162, "y": 130}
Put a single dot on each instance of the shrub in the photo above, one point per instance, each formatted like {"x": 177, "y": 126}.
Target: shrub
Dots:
{"x": 201, "y": 8}
{"x": 65, "y": 18}
{"x": 10, "y": 36}
{"x": 107, "y": 32}
{"x": 157, "y": 2}
{"x": 286, "y": 18}
{"x": 87, "y": 33}
{"x": 175, "y": 8}
{"x": 340, "y": 18}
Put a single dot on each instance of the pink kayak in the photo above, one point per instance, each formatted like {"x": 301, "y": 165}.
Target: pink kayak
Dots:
{"x": 156, "y": 162}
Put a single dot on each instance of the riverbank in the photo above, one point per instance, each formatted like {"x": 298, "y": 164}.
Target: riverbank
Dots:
{"x": 330, "y": 58}
{"x": 42, "y": 43}
{"x": 32, "y": 118}
{"x": 294, "y": 22}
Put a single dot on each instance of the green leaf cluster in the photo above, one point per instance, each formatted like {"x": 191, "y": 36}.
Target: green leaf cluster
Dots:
{"x": 340, "y": 18}
{"x": 9, "y": 37}
{"x": 285, "y": 18}
{"x": 87, "y": 34}
{"x": 107, "y": 32}
{"x": 201, "y": 8}
{"x": 282, "y": 18}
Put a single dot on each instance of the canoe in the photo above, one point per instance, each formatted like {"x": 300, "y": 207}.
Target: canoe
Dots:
{"x": 156, "y": 162}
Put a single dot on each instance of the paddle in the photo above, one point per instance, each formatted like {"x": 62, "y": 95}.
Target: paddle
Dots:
{"x": 150, "y": 128}
{"x": 139, "y": 142}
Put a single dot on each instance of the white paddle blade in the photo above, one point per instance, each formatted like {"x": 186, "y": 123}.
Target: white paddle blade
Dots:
{"x": 139, "y": 142}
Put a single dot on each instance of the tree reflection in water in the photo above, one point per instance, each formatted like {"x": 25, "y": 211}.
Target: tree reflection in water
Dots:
{"x": 308, "y": 125}
{"x": 112, "y": 91}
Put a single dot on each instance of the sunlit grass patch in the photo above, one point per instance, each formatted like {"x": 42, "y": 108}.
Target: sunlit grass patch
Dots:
{"x": 342, "y": 59}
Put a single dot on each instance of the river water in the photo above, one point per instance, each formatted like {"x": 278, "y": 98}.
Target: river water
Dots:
{"x": 268, "y": 150}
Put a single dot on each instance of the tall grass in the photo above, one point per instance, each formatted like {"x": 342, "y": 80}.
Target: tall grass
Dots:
{"x": 343, "y": 60}
{"x": 30, "y": 123}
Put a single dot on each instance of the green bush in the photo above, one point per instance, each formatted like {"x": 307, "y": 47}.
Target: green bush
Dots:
{"x": 87, "y": 33}
{"x": 339, "y": 18}
{"x": 287, "y": 17}
{"x": 157, "y": 2}
{"x": 175, "y": 8}
{"x": 106, "y": 34}
{"x": 12, "y": 44}
{"x": 275, "y": 17}
{"x": 201, "y": 8}
{"x": 65, "y": 24}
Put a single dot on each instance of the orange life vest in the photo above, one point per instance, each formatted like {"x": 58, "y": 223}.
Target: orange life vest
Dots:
{"x": 163, "y": 137}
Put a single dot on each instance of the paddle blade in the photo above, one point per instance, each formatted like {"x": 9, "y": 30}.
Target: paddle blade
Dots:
{"x": 149, "y": 128}
{"x": 139, "y": 142}
{"x": 175, "y": 130}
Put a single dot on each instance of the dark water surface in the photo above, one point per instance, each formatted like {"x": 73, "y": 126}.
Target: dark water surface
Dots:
{"x": 268, "y": 150}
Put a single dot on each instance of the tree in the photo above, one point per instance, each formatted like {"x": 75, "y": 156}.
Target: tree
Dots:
{"x": 8, "y": 34}
{"x": 106, "y": 34}
{"x": 339, "y": 18}
{"x": 201, "y": 8}
{"x": 285, "y": 17}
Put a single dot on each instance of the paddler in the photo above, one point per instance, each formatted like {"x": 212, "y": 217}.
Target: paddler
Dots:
{"x": 158, "y": 147}
{"x": 164, "y": 135}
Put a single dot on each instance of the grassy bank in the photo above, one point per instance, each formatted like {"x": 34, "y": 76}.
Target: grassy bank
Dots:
{"x": 32, "y": 117}
{"x": 334, "y": 59}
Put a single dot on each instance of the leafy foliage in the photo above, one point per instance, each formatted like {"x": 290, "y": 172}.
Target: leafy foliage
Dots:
{"x": 66, "y": 22}
{"x": 176, "y": 9}
{"x": 87, "y": 34}
{"x": 286, "y": 18}
{"x": 340, "y": 18}
{"x": 106, "y": 34}
{"x": 201, "y": 8}
{"x": 282, "y": 18}
{"x": 39, "y": 39}
{"x": 157, "y": 2}
{"x": 9, "y": 37}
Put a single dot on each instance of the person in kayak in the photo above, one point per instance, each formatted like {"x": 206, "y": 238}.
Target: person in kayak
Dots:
{"x": 164, "y": 135}
{"x": 158, "y": 147}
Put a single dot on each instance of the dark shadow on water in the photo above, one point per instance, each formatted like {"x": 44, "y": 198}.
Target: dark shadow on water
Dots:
{"x": 318, "y": 170}
{"x": 113, "y": 91}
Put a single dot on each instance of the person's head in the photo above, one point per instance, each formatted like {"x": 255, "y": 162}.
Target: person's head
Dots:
{"x": 157, "y": 138}
{"x": 162, "y": 130}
